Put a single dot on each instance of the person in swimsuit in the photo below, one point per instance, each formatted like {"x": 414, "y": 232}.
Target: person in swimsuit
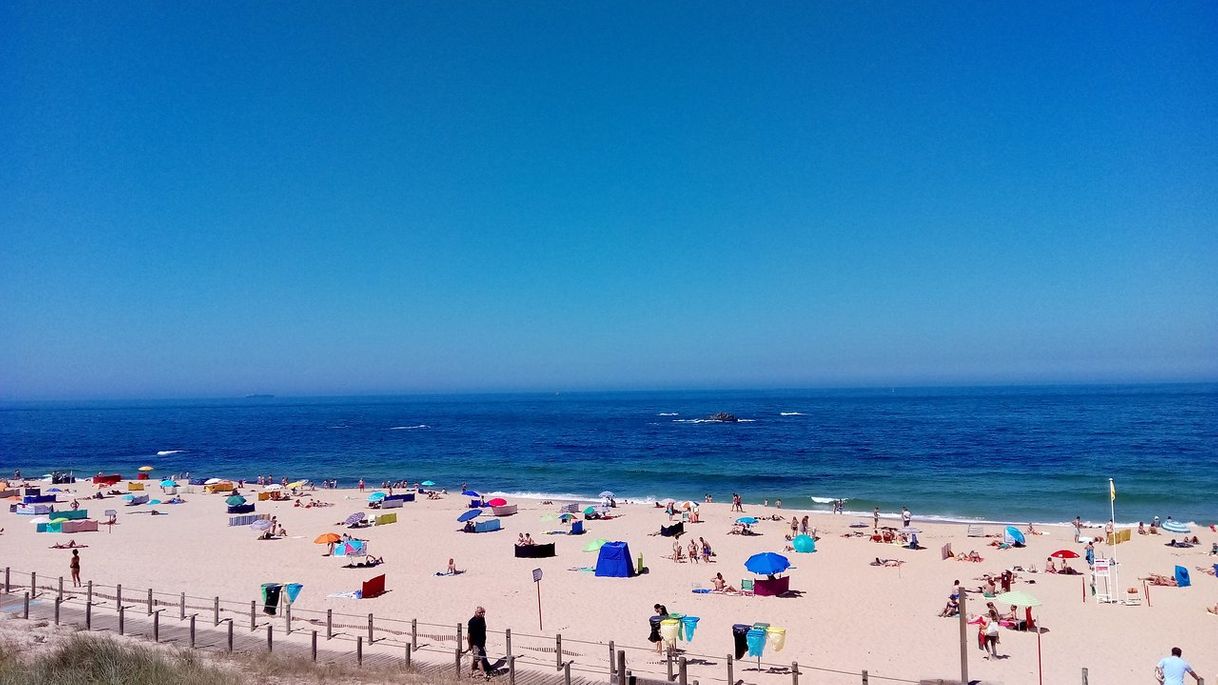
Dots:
{"x": 74, "y": 566}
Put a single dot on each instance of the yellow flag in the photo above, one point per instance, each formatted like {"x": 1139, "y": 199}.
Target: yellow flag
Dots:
{"x": 1111, "y": 491}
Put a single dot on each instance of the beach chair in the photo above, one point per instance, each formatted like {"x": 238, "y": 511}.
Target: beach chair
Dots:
{"x": 577, "y": 528}
{"x": 746, "y": 586}
{"x": 976, "y": 532}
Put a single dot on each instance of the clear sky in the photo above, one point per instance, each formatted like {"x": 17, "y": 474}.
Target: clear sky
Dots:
{"x": 212, "y": 198}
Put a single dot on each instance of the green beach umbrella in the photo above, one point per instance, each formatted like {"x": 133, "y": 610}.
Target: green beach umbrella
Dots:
{"x": 595, "y": 545}
{"x": 235, "y": 501}
{"x": 590, "y": 510}
{"x": 427, "y": 483}
{"x": 59, "y": 520}
{"x": 1018, "y": 598}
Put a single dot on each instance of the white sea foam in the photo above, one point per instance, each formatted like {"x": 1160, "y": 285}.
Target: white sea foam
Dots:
{"x": 410, "y": 428}
{"x": 828, "y": 500}
{"x": 669, "y": 413}
{"x": 165, "y": 453}
{"x": 712, "y": 421}
{"x": 791, "y": 413}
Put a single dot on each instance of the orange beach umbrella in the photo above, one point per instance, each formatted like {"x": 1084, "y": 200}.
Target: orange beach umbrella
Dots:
{"x": 327, "y": 538}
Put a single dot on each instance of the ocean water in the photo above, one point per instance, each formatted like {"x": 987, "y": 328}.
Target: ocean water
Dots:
{"x": 1012, "y": 454}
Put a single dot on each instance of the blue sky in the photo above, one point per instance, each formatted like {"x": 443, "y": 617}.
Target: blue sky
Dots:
{"x": 204, "y": 199}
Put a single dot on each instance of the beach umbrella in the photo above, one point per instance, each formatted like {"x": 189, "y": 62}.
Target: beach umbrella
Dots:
{"x": 1174, "y": 526}
{"x": 1060, "y": 554}
{"x": 261, "y": 524}
{"x": 167, "y": 483}
{"x": 128, "y": 498}
{"x": 606, "y": 494}
{"x": 498, "y": 502}
{"x": 595, "y": 545}
{"x": 211, "y": 481}
{"x": 54, "y": 490}
{"x": 566, "y": 517}
{"x": 589, "y": 510}
{"x": 59, "y": 520}
{"x": 235, "y": 501}
{"x": 746, "y": 520}
{"x": 1018, "y": 598}
{"x": 297, "y": 484}
{"x": 767, "y": 563}
{"x": 153, "y": 501}
{"x": 327, "y": 538}
{"x": 470, "y": 493}
{"x": 145, "y": 468}
{"x": 273, "y": 486}
{"x": 354, "y": 518}
{"x": 469, "y": 515}
{"x": 804, "y": 544}
{"x": 376, "y": 497}
{"x": 687, "y": 505}
{"x": 428, "y": 483}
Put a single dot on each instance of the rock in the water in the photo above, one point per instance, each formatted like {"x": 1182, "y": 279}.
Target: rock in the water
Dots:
{"x": 723, "y": 416}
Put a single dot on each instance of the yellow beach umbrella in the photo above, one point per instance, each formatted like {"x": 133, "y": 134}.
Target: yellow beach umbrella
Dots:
{"x": 297, "y": 484}
{"x": 59, "y": 520}
{"x": 145, "y": 468}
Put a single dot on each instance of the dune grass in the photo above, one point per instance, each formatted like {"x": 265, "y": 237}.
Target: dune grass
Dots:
{"x": 92, "y": 660}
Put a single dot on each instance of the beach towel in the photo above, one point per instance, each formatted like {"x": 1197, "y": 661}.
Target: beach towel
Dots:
{"x": 756, "y": 641}
{"x": 740, "y": 633}
{"x": 1182, "y": 579}
{"x": 777, "y": 636}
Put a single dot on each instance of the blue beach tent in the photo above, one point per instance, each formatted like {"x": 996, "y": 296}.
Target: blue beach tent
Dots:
{"x": 614, "y": 561}
{"x": 1182, "y": 579}
{"x": 1012, "y": 536}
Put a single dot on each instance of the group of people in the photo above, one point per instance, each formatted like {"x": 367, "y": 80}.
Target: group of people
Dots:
{"x": 523, "y": 539}
{"x": 699, "y": 548}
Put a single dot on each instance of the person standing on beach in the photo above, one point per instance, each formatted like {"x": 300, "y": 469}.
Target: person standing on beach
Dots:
{"x": 875, "y": 519}
{"x": 74, "y": 567}
{"x": 1171, "y": 669}
{"x": 1078, "y": 526}
{"x": 906, "y": 517}
{"x": 476, "y": 629}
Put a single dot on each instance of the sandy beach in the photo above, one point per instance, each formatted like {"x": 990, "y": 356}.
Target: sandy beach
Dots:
{"x": 848, "y": 614}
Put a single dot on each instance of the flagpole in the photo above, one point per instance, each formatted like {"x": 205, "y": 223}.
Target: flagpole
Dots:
{"x": 1116, "y": 585}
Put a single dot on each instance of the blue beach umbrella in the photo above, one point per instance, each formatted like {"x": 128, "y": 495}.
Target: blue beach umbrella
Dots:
{"x": 746, "y": 520}
{"x": 128, "y": 498}
{"x": 376, "y": 497}
{"x": 767, "y": 563}
{"x": 428, "y": 483}
{"x": 469, "y": 515}
{"x": 470, "y": 493}
{"x": 152, "y": 502}
{"x": 354, "y": 518}
{"x": 167, "y": 483}
{"x": 235, "y": 500}
{"x": 804, "y": 544}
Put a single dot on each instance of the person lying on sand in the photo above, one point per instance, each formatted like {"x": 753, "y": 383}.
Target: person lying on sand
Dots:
{"x": 886, "y": 562}
{"x": 1213, "y": 610}
{"x": 70, "y": 544}
{"x": 1159, "y": 579}
{"x": 368, "y": 562}
{"x": 1207, "y": 570}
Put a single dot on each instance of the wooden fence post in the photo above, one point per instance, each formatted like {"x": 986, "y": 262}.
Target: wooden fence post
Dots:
{"x": 192, "y": 631}
{"x": 270, "y": 646}
{"x": 682, "y": 674}
{"x": 370, "y": 638}
{"x": 566, "y": 673}
{"x": 58, "y": 601}
{"x": 865, "y": 680}
{"x": 118, "y": 594}
{"x": 121, "y": 613}
{"x": 359, "y": 650}
{"x": 621, "y": 665}
{"x": 182, "y": 607}
{"x": 25, "y": 606}
{"x": 149, "y": 601}
{"x": 253, "y": 615}
{"x": 287, "y": 618}
{"x": 407, "y": 656}
{"x": 89, "y": 610}
{"x": 458, "y": 637}
{"x": 8, "y": 586}
{"x": 511, "y": 669}
{"x": 230, "y": 636}
{"x": 156, "y": 627}
{"x": 414, "y": 634}
{"x": 215, "y": 611}
{"x": 329, "y": 623}
{"x": 1084, "y": 675}
{"x": 33, "y": 583}
{"x": 731, "y": 677}
{"x": 794, "y": 673}
{"x": 612, "y": 670}
{"x": 558, "y": 652}
{"x": 507, "y": 636}
{"x": 668, "y": 664}
{"x": 313, "y": 646}
{"x": 457, "y": 662}
{"x": 59, "y": 594}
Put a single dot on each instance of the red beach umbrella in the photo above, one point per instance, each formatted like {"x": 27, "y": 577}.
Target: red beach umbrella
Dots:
{"x": 497, "y": 502}
{"x": 1064, "y": 554}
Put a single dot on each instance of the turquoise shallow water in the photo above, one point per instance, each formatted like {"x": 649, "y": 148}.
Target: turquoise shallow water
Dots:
{"x": 1029, "y": 453}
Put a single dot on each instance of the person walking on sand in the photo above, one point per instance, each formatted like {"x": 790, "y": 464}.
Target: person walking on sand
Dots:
{"x": 74, "y": 567}
{"x": 1171, "y": 669}
{"x": 875, "y": 519}
{"x": 989, "y": 624}
{"x": 476, "y": 630}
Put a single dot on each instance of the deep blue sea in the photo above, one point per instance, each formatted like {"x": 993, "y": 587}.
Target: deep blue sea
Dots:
{"x": 1015, "y": 453}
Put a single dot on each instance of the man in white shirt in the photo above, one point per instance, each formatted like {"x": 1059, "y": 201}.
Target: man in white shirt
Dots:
{"x": 1171, "y": 669}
